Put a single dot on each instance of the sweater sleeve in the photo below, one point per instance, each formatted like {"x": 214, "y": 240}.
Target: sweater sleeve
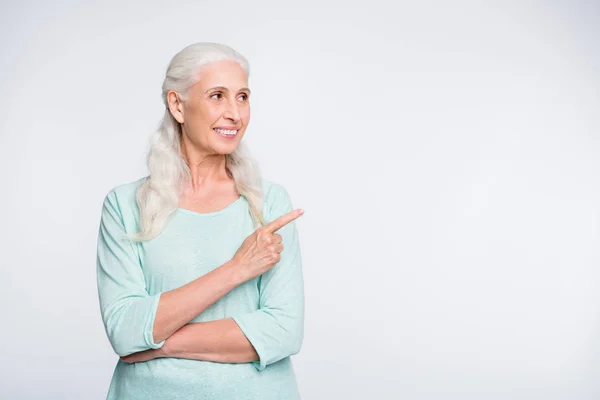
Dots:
{"x": 128, "y": 311}
{"x": 276, "y": 329}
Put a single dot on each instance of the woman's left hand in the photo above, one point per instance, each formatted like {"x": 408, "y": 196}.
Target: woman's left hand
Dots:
{"x": 142, "y": 356}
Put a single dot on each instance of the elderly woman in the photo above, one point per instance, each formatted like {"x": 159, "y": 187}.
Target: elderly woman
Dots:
{"x": 199, "y": 266}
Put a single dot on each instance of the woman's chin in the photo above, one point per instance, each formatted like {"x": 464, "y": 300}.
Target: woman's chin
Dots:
{"x": 221, "y": 148}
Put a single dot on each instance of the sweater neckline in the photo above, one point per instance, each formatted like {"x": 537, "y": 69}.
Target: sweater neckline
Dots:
{"x": 214, "y": 213}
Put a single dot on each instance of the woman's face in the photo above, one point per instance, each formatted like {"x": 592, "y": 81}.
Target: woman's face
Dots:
{"x": 217, "y": 110}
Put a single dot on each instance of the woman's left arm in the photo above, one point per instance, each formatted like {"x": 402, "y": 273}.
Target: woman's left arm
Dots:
{"x": 276, "y": 329}
{"x": 263, "y": 337}
{"x": 217, "y": 341}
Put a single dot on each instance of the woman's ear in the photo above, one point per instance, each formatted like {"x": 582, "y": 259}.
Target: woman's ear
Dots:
{"x": 175, "y": 106}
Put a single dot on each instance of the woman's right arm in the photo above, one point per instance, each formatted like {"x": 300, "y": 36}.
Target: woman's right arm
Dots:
{"x": 256, "y": 256}
{"x": 179, "y": 306}
{"x": 134, "y": 320}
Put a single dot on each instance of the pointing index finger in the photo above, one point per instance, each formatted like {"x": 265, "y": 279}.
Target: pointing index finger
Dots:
{"x": 282, "y": 221}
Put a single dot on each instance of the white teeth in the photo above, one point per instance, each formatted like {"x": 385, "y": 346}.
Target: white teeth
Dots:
{"x": 229, "y": 132}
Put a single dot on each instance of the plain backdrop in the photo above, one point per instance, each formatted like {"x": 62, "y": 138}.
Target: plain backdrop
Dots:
{"x": 446, "y": 154}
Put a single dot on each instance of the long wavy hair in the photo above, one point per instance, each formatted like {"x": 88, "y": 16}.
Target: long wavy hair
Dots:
{"x": 158, "y": 195}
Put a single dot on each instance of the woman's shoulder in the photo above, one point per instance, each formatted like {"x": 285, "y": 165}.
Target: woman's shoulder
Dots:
{"x": 275, "y": 197}
{"x": 123, "y": 195}
{"x": 128, "y": 188}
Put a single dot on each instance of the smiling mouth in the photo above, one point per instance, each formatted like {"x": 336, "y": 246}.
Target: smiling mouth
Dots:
{"x": 226, "y": 132}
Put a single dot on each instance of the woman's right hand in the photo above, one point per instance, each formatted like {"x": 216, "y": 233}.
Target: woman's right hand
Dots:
{"x": 261, "y": 250}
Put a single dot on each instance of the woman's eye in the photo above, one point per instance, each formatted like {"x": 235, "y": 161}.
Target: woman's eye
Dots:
{"x": 218, "y": 96}
{"x": 244, "y": 97}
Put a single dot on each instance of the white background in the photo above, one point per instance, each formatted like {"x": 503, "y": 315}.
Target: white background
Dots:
{"x": 446, "y": 156}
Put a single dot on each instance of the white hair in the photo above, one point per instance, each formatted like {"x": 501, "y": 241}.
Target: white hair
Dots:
{"x": 158, "y": 196}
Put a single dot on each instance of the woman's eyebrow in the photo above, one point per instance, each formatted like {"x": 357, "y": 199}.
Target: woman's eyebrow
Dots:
{"x": 223, "y": 88}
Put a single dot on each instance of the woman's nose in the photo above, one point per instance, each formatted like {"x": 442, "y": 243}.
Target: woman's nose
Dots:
{"x": 232, "y": 112}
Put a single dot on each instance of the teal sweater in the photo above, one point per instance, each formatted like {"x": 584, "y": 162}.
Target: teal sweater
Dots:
{"x": 268, "y": 309}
